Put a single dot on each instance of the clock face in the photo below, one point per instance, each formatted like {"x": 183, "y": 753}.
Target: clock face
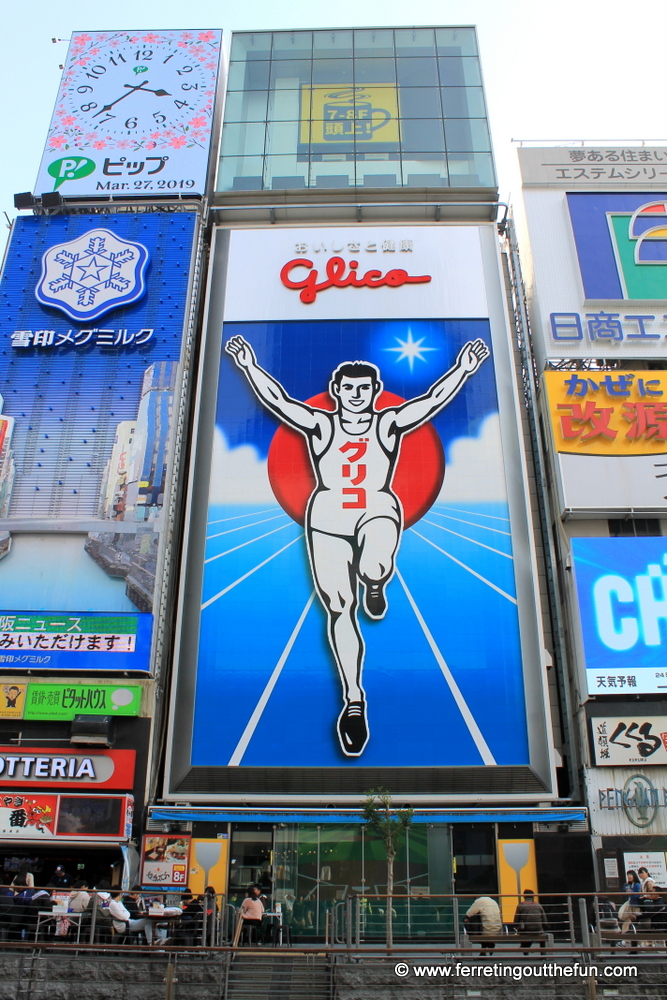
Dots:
{"x": 137, "y": 89}
{"x": 133, "y": 115}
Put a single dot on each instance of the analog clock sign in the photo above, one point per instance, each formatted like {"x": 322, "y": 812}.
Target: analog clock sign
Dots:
{"x": 133, "y": 115}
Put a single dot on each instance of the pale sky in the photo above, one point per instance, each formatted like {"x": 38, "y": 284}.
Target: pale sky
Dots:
{"x": 568, "y": 70}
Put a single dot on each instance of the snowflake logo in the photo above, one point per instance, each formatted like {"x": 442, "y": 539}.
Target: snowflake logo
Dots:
{"x": 87, "y": 277}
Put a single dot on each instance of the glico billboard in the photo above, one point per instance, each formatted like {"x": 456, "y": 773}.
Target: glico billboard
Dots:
{"x": 94, "y": 315}
{"x": 360, "y": 591}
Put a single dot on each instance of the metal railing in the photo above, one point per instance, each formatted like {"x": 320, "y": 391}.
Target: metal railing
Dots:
{"x": 358, "y": 922}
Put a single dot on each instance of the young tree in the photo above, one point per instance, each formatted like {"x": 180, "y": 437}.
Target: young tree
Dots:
{"x": 389, "y": 824}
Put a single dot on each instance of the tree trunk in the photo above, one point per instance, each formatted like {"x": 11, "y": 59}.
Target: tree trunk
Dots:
{"x": 391, "y": 854}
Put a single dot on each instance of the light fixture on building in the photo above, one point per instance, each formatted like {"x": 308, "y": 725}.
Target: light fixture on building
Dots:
{"x": 25, "y": 199}
{"x": 92, "y": 729}
{"x": 52, "y": 199}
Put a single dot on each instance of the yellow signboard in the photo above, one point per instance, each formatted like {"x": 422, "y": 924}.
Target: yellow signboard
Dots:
{"x": 607, "y": 413}
{"x": 12, "y": 701}
{"x": 517, "y": 872}
{"x": 208, "y": 864}
{"x": 333, "y": 115}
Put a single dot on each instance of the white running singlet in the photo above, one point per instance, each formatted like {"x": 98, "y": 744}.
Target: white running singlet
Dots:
{"x": 353, "y": 482}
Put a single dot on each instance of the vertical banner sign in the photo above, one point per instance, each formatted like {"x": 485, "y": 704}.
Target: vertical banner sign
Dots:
{"x": 133, "y": 114}
{"x": 359, "y": 598}
{"x": 86, "y": 434}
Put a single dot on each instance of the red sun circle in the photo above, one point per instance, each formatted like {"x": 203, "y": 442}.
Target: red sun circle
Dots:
{"x": 417, "y": 478}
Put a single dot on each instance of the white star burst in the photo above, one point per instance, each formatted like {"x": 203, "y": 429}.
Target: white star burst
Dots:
{"x": 410, "y": 349}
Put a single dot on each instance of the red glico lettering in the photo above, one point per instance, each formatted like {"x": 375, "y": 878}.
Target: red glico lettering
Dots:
{"x": 337, "y": 278}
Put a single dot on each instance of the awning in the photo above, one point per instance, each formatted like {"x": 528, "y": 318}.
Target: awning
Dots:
{"x": 193, "y": 815}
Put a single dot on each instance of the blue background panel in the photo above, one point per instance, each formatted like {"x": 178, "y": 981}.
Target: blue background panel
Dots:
{"x": 443, "y": 672}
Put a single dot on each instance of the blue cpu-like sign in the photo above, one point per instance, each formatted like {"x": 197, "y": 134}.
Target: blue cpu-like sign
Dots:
{"x": 622, "y": 596}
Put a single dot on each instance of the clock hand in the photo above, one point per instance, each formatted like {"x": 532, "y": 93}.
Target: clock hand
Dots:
{"x": 158, "y": 93}
{"x": 131, "y": 89}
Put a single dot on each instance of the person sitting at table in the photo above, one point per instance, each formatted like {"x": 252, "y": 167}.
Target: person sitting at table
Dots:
{"x": 123, "y": 922}
{"x": 189, "y": 931}
{"x": 23, "y": 887}
{"x": 252, "y": 912}
{"x": 6, "y": 908}
{"x": 40, "y": 901}
{"x": 79, "y": 897}
{"x": 134, "y": 903}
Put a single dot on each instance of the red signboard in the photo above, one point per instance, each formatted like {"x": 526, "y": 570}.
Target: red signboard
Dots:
{"x": 38, "y": 767}
{"x": 28, "y": 815}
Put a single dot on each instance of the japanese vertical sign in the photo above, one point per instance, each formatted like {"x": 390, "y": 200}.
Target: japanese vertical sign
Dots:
{"x": 87, "y": 433}
{"x": 133, "y": 115}
{"x": 609, "y": 432}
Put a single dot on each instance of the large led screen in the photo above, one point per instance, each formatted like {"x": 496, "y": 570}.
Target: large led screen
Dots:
{"x": 359, "y": 569}
{"x": 94, "y": 313}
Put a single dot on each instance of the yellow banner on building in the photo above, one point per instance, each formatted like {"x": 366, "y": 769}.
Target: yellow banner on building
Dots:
{"x": 331, "y": 115}
{"x": 517, "y": 871}
{"x": 607, "y": 412}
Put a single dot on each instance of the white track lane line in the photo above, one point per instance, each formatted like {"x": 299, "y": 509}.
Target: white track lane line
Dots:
{"x": 253, "y": 722}
{"x": 484, "y": 527}
{"x": 253, "y": 513}
{"x": 249, "y": 542}
{"x": 245, "y": 576}
{"x": 468, "y": 718}
{"x": 465, "y": 538}
{"x": 463, "y": 566}
{"x": 474, "y": 513}
{"x": 242, "y": 527}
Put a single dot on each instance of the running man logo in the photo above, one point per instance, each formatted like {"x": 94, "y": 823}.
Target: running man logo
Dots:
{"x": 353, "y": 531}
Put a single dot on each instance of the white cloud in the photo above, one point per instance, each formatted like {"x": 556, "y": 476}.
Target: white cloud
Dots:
{"x": 238, "y": 475}
{"x": 474, "y": 471}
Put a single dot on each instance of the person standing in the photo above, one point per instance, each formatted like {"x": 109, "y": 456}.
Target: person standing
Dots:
{"x": 647, "y": 883}
{"x": 630, "y": 909}
{"x": 530, "y": 918}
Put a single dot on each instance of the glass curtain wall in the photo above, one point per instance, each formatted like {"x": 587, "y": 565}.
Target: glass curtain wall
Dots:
{"x": 374, "y": 108}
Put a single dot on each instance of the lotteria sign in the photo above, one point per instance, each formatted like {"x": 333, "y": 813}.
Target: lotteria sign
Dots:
{"x": 58, "y": 768}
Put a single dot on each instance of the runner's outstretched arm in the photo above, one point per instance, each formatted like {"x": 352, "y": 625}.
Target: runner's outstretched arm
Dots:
{"x": 418, "y": 411}
{"x": 269, "y": 391}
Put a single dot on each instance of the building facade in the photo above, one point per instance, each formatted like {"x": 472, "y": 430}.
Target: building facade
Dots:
{"x": 337, "y": 447}
{"x": 356, "y": 190}
{"x": 595, "y": 221}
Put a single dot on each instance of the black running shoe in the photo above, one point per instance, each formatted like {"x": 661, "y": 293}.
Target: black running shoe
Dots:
{"x": 353, "y": 729}
{"x": 375, "y": 601}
